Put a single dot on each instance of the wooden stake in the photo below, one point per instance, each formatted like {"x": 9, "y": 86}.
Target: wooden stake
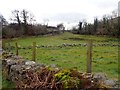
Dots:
{"x": 9, "y": 47}
{"x": 3, "y": 45}
{"x": 34, "y": 51}
{"x": 16, "y": 45}
{"x": 89, "y": 57}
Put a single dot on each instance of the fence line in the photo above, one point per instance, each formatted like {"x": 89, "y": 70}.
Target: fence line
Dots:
{"x": 89, "y": 46}
{"x": 89, "y": 54}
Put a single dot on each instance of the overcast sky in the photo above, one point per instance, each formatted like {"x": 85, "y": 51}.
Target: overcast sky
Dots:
{"x": 60, "y": 11}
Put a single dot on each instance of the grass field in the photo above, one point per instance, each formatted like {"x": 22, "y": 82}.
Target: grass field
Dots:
{"x": 105, "y": 58}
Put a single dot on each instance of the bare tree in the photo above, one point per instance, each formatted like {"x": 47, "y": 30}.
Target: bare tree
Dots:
{"x": 85, "y": 25}
{"x": 2, "y": 20}
{"x": 95, "y": 25}
{"x": 24, "y": 15}
{"x": 16, "y": 16}
{"x": 79, "y": 27}
{"x": 28, "y": 18}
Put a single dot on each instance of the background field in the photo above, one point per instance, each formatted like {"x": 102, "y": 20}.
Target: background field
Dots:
{"x": 105, "y": 58}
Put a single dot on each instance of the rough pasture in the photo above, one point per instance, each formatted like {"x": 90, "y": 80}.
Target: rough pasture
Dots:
{"x": 69, "y": 50}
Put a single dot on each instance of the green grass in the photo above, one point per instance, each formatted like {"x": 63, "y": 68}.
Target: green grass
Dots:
{"x": 4, "y": 83}
{"x": 7, "y": 84}
{"x": 105, "y": 58}
{"x": 60, "y": 39}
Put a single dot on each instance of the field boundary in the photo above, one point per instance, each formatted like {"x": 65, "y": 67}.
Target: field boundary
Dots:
{"x": 16, "y": 69}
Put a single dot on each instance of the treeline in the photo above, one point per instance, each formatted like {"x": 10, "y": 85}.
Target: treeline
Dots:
{"x": 108, "y": 25}
{"x": 23, "y": 24}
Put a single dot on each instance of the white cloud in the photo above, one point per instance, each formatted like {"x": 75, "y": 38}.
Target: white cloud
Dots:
{"x": 60, "y": 9}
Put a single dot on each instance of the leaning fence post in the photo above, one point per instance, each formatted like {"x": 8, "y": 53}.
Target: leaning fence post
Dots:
{"x": 89, "y": 57}
{"x": 34, "y": 51}
{"x": 16, "y": 45}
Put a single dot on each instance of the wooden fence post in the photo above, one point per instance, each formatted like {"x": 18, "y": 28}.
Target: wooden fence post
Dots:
{"x": 3, "y": 45}
{"x": 89, "y": 57}
{"x": 34, "y": 51}
{"x": 9, "y": 47}
{"x": 16, "y": 45}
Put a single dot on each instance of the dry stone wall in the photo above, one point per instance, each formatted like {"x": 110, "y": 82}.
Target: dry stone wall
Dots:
{"x": 15, "y": 67}
{"x": 29, "y": 74}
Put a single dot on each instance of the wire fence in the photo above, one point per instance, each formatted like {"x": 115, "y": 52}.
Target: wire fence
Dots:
{"x": 89, "y": 45}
